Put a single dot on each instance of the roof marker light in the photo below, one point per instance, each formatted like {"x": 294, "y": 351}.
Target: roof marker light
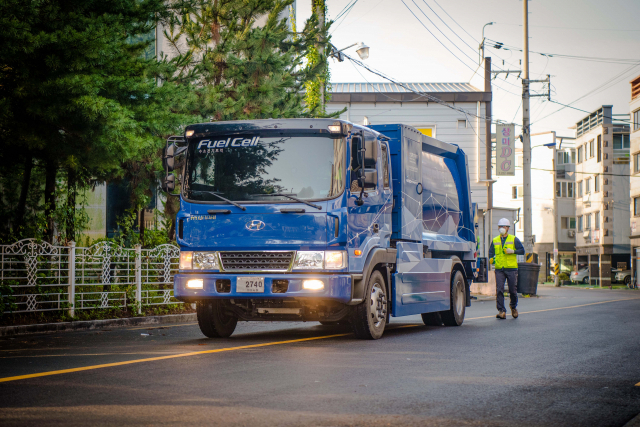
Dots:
{"x": 335, "y": 128}
{"x": 189, "y": 133}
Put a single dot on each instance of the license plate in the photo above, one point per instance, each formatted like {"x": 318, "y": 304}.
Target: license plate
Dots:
{"x": 250, "y": 284}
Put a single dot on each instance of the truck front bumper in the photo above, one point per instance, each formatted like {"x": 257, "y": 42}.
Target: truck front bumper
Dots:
{"x": 337, "y": 287}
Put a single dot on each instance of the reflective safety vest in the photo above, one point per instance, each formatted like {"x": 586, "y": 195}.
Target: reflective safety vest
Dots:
{"x": 502, "y": 259}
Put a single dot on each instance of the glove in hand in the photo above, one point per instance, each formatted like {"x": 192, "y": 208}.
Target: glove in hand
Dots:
{"x": 509, "y": 251}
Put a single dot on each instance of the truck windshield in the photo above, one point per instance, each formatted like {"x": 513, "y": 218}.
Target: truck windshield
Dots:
{"x": 250, "y": 167}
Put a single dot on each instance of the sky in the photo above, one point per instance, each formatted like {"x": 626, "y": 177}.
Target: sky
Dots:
{"x": 402, "y": 47}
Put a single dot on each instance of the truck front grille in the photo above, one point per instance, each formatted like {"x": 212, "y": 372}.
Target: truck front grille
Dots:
{"x": 256, "y": 261}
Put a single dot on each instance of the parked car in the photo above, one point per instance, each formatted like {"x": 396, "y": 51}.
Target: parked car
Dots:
{"x": 623, "y": 276}
{"x": 580, "y": 276}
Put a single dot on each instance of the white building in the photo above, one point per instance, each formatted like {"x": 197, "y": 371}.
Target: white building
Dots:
{"x": 602, "y": 203}
{"x": 388, "y": 103}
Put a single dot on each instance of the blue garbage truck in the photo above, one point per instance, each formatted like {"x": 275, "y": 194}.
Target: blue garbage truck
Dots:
{"x": 320, "y": 220}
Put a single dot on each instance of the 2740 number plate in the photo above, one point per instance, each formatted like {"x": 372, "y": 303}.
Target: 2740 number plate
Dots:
{"x": 250, "y": 284}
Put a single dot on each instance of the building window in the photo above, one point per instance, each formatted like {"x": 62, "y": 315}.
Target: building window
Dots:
{"x": 579, "y": 188}
{"x": 580, "y": 151}
{"x": 636, "y": 162}
{"x": 596, "y": 183}
{"x": 462, "y": 124}
{"x": 587, "y": 186}
{"x": 636, "y": 206}
{"x": 516, "y": 192}
{"x": 561, "y": 189}
{"x": 570, "y": 189}
{"x": 621, "y": 141}
{"x": 596, "y": 222}
{"x": 599, "y": 148}
{"x": 636, "y": 120}
{"x": 573, "y": 156}
{"x": 588, "y": 225}
{"x": 568, "y": 222}
{"x": 580, "y": 223}
{"x": 591, "y": 153}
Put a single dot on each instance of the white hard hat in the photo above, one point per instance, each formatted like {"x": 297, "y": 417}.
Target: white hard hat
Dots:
{"x": 504, "y": 222}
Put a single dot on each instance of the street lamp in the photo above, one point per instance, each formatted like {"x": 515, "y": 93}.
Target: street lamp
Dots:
{"x": 481, "y": 47}
{"x": 362, "y": 51}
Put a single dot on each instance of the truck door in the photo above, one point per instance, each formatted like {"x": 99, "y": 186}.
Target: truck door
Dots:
{"x": 369, "y": 224}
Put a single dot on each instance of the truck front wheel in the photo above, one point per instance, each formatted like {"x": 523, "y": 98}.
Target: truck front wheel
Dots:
{"x": 369, "y": 318}
{"x": 455, "y": 315}
{"x": 213, "y": 320}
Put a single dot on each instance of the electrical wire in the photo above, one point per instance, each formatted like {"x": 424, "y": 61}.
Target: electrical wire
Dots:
{"x": 422, "y": 94}
{"x": 445, "y": 46}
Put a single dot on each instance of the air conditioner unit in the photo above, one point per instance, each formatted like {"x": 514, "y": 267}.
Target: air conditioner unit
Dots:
{"x": 571, "y": 233}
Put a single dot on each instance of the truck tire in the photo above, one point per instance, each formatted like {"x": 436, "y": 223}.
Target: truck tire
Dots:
{"x": 432, "y": 319}
{"x": 369, "y": 318}
{"x": 455, "y": 315}
{"x": 214, "y": 322}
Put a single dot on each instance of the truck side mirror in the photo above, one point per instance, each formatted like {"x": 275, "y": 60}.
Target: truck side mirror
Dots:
{"x": 168, "y": 157}
{"x": 169, "y": 183}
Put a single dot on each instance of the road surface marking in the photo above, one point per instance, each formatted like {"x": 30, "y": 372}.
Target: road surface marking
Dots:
{"x": 173, "y": 356}
{"x": 242, "y": 347}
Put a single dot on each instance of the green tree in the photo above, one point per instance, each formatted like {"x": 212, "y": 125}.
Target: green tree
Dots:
{"x": 244, "y": 58}
{"x": 78, "y": 98}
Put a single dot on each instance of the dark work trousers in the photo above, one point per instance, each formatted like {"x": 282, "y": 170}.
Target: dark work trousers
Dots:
{"x": 509, "y": 275}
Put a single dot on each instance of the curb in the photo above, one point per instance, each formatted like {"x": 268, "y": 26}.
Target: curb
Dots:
{"x": 8, "y": 331}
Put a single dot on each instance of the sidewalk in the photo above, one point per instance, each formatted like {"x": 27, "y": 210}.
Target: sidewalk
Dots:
{"x": 9, "y": 331}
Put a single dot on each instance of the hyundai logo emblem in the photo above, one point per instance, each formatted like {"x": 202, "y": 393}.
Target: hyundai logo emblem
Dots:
{"x": 254, "y": 225}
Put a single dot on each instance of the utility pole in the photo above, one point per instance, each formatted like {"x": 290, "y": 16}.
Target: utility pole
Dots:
{"x": 526, "y": 138}
{"x": 556, "y": 279}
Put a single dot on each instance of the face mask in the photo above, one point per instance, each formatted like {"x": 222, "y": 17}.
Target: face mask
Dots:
{"x": 503, "y": 231}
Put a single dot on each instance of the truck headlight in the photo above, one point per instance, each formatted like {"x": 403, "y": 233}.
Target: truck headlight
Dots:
{"x": 205, "y": 261}
{"x": 307, "y": 260}
{"x": 335, "y": 260}
{"x": 186, "y": 259}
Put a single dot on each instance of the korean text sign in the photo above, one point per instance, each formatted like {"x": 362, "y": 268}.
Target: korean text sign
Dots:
{"x": 505, "y": 150}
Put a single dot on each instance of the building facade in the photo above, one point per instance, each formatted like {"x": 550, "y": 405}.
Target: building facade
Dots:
{"x": 634, "y": 183}
{"x": 547, "y": 197}
{"x": 602, "y": 199}
{"x": 413, "y": 104}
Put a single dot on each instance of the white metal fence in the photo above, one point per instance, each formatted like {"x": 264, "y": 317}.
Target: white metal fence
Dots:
{"x": 37, "y": 276}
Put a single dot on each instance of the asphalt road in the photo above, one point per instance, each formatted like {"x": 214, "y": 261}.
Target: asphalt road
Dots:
{"x": 572, "y": 358}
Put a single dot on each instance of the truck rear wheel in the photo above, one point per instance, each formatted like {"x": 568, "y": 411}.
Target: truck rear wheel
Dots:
{"x": 455, "y": 315}
{"x": 214, "y": 322}
{"x": 369, "y": 318}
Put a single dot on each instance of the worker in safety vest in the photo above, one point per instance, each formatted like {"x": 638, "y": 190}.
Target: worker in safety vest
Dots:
{"x": 503, "y": 255}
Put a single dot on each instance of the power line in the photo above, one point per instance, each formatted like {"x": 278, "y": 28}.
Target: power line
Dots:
{"x": 500, "y": 45}
{"x": 422, "y": 94}
{"x": 567, "y": 28}
{"x": 445, "y": 46}
{"x": 612, "y": 81}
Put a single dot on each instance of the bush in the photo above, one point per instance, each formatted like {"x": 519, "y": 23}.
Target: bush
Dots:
{"x": 563, "y": 277}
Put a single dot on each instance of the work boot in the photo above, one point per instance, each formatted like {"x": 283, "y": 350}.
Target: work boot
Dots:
{"x": 501, "y": 315}
{"x": 514, "y": 313}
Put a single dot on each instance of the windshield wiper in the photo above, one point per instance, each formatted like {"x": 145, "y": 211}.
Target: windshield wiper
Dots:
{"x": 290, "y": 197}
{"x": 220, "y": 197}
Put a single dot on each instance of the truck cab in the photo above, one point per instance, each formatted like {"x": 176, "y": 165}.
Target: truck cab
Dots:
{"x": 293, "y": 219}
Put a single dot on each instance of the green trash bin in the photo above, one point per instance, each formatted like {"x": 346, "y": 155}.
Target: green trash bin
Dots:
{"x": 528, "y": 277}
